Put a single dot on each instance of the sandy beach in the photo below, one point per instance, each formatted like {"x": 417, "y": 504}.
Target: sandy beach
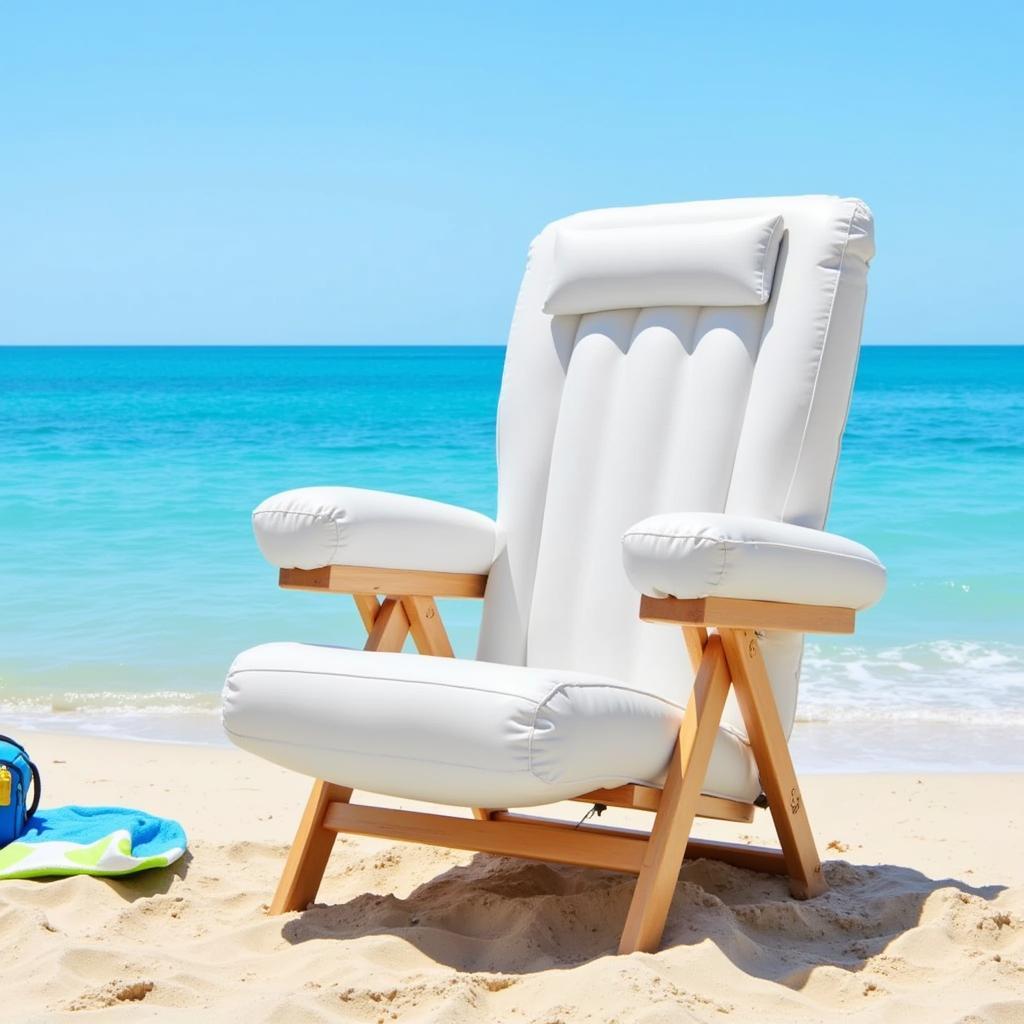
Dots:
{"x": 924, "y": 920}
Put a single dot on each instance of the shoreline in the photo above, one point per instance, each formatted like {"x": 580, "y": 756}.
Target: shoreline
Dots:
{"x": 840, "y": 747}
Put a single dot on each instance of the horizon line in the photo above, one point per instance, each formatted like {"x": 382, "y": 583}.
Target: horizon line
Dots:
{"x": 414, "y": 345}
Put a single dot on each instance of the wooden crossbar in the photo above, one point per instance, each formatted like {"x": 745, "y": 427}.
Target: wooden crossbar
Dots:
{"x": 751, "y": 858}
{"x": 502, "y": 833}
{"x": 740, "y": 855}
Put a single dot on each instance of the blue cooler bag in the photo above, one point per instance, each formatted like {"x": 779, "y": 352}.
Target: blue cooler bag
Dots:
{"x": 17, "y": 772}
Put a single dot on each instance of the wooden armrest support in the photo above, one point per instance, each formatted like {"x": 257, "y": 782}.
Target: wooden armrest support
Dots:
{"x": 355, "y": 579}
{"x": 731, "y": 613}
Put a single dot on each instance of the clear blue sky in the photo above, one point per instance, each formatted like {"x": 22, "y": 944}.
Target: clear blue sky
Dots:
{"x": 301, "y": 172}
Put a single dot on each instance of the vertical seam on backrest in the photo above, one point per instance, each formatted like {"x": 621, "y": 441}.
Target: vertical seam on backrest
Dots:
{"x": 683, "y": 374}
{"x": 821, "y": 360}
{"x": 577, "y": 337}
{"x": 528, "y": 617}
{"x": 630, "y": 640}
{"x": 746, "y": 404}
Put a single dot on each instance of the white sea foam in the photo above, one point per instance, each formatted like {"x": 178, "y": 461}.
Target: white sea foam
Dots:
{"x": 943, "y": 681}
{"x": 108, "y": 703}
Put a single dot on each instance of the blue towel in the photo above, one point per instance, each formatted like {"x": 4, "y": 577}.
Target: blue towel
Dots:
{"x": 92, "y": 841}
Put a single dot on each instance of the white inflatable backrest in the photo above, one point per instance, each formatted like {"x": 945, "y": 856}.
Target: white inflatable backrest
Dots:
{"x": 694, "y": 357}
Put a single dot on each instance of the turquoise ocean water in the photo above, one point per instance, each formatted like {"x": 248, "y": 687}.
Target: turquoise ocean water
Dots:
{"x": 130, "y": 578}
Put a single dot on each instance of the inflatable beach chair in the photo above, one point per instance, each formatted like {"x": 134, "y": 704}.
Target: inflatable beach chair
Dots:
{"x": 675, "y": 389}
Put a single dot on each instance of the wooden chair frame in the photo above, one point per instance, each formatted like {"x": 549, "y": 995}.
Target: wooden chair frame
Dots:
{"x": 395, "y": 603}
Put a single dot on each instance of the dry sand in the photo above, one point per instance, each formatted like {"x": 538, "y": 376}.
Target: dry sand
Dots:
{"x": 924, "y": 920}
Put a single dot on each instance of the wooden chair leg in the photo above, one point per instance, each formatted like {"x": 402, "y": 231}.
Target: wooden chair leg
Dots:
{"x": 369, "y": 608}
{"x": 771, "y": 752}
{"x": 310, "y": 851}
{"x": 428, "y": 632}
{"x": 696, "y": 639}
{"x": 388, "y": 626}
{"x": 663, "y": 857}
